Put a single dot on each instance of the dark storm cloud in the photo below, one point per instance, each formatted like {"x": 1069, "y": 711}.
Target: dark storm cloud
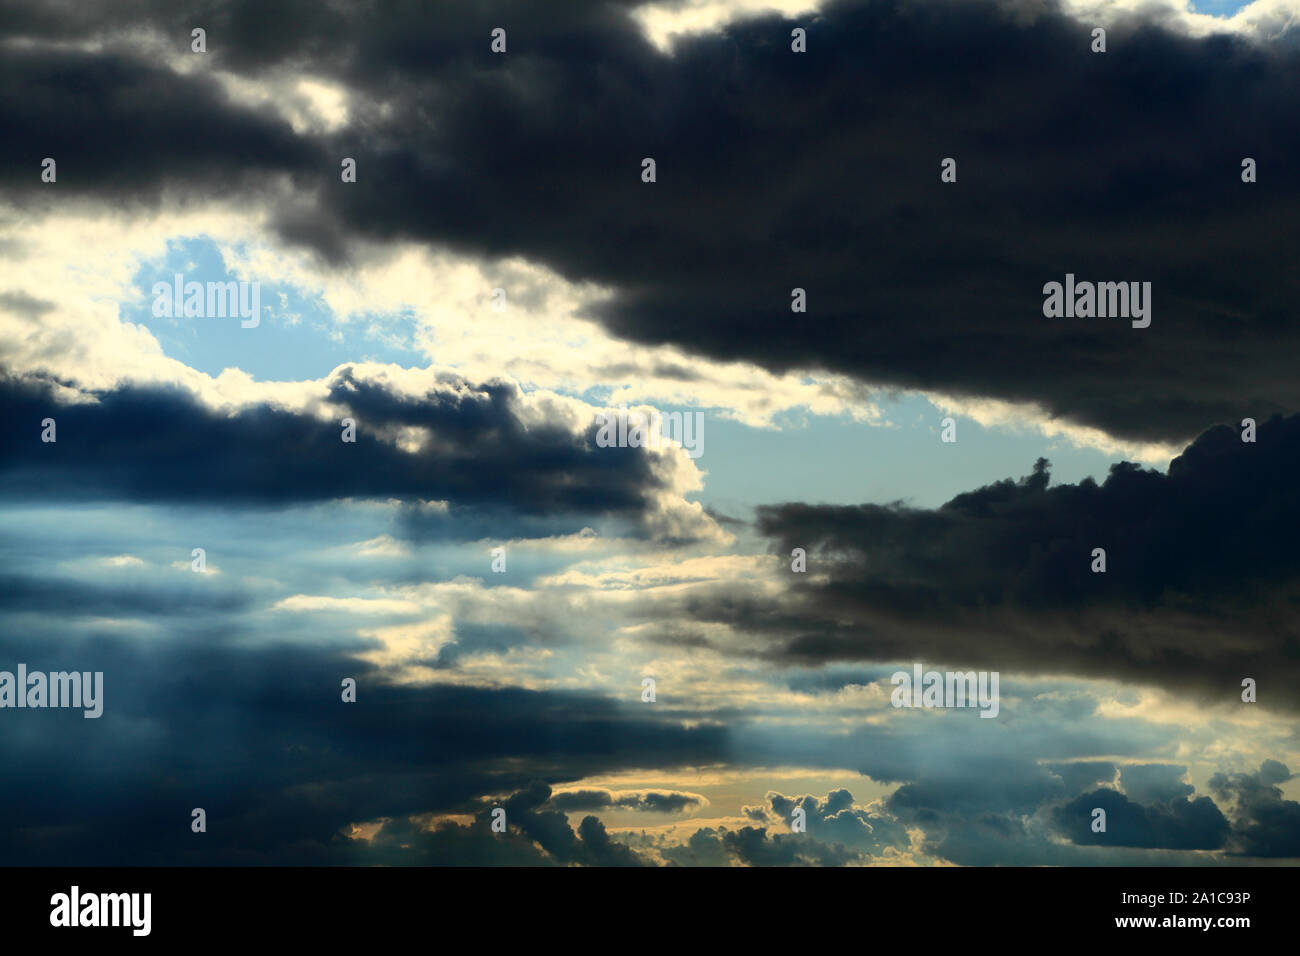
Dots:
{"x": 1001, "y": 576}
{"x": 975, "y": 784}
{"x": 836, "y": 832}
{"x": 259, "y": 737}
{"x": 256, "y": 734}
{"x": 775, "y": 170}
{"x": 70, "y": 597}
{"x": 158, "y": 444}
{"x": 704, "y": 847}
{"x": 525, "y": 843}
{"x": 386, "y": 36}
{"x": 1157, "y": 813}
{"x": 128, "y": 130}
{"x": 835, "y": 820}
{"x": 549, "y": 828}
{"x": 1155, "y": 782}
{"x": 1175, "y": 825}
{"x": 1264, "y": 823}
{"x": 753, "y": 846}
{"x": 405, "y": 842}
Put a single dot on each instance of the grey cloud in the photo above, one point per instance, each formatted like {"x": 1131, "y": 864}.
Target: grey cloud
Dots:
{"x": 536, "y": 154}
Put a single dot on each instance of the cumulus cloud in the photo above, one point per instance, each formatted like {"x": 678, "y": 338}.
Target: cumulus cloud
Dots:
{"x": 1162, "y": 187}
{"x": 775, "y": 171}
{"x": 1002, "y": 576}
{"x": 1178, "y": 824}
{"x": 1264, "y": 822}
{"x": 488, "y": 448}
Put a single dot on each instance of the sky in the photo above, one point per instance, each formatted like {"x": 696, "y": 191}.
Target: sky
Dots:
{"x": 367, "y": 584}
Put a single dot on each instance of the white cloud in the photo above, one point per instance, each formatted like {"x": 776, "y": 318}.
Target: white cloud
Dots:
{"x": 317, "y": 602}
